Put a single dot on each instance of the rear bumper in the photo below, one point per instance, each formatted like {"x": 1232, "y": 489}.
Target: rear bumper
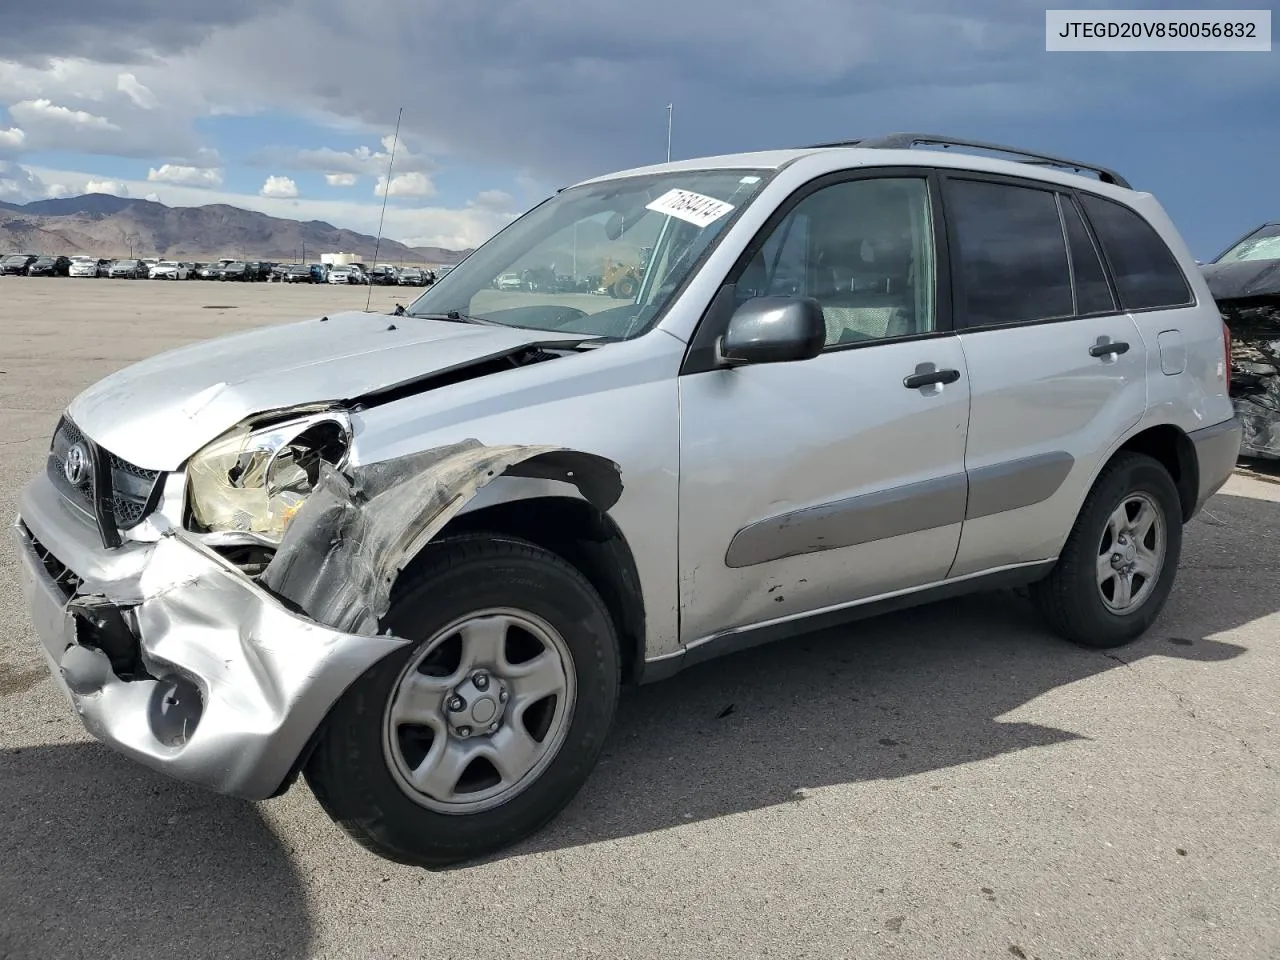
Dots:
{"x": 1217, "y": 449}
{"x": 230, "y": 685}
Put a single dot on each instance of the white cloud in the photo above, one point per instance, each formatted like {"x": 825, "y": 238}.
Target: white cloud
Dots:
{"x": 339, "y": 179}
{"x": 115, "y": 187}
{"x": 43, "y": 111}
{"x": 494, "y": 200}
{"x": 18, "y": 184}
{"x": 185, "y": 175}
{"x": 55, "y": 191}
{"x": 12, "y": 139}
{"x": 140, "y": 94}
{"x": 362, "y": 161}
{"x": 279, "y": 188}
{"x": 153, "y": 197}
{"x": 414, "y": 184}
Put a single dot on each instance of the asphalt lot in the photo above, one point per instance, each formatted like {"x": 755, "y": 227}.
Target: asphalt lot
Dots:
{"x": 949, "y": 782}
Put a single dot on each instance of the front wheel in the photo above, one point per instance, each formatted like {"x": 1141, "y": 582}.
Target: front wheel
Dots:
{"x": 1118, "y": 565}
{"x": 488, "y": 723}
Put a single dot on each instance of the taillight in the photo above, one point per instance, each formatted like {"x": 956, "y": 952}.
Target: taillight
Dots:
{"x": 1226, "y": 349}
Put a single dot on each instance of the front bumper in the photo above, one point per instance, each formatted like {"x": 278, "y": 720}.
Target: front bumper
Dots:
{"x": 234, "y": 684}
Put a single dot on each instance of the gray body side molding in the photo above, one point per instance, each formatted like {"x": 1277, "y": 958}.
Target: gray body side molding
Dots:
{"x": 911, "y": 508}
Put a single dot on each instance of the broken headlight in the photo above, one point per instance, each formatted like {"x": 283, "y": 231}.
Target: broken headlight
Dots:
{"x": 252, "y": 480}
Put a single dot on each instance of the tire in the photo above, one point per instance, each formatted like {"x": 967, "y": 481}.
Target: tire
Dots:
{"x": 1074, "y": 599}
{"x": 357, "y": 771}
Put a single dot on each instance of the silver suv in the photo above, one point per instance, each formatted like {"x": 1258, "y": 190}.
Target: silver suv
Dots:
{"x": 413, "y": 557}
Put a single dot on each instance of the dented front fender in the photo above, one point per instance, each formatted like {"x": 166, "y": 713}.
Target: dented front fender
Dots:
{"x": 341, "y": 555}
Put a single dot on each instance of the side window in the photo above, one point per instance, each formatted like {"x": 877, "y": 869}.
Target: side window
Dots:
{"x": 1146, "y": 272}
{"x": 1092, "y": 293}
{"x": 1009, "y": 264}
{"x": 864, "y": 249}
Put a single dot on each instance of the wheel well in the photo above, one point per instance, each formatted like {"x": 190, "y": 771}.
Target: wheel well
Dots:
{"x": 1175, "y": 451}
{"x": 584, "y": 537}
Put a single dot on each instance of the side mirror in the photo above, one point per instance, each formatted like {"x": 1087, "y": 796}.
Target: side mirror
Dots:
{"x": 774, "y": 330}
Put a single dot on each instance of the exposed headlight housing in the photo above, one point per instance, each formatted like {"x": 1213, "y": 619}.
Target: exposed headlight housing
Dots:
{"x": 253, "y": 479}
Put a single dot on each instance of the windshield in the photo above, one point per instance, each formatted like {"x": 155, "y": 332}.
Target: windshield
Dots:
{"x": 122, "y": 263}
{"x": 1262, "y": 244}
{"x": 601, "y": 259}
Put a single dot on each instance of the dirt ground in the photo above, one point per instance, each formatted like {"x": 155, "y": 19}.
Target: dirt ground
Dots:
{"x": 949, "y": 782}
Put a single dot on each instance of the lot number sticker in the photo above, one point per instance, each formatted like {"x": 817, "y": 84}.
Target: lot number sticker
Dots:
{"x": 689, "y": 206}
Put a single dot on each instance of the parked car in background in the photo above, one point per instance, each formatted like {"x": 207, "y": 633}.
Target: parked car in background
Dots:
{"x": 297, "y": 273}
{"x": 340, "y": 274}
{"x": 383, "y": 275}
{"x": 16, "y": 264}
{"x": 319, "y": 272}
{"x": 49, "y": 267}
{"x": 83, "y": 267}
{"x": 170, "y": 270}
{"x": 359, "y": 273}
{"x": 1245, "y": 282}
{"x": 209, "y": 271}
{"x": 411, "y": 277}
{"x": 236, "y": 270}
{"x": 127, "y": 270}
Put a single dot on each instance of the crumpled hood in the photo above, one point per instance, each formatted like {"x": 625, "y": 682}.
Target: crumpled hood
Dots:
{"x": 158, "y": 412}
{"x": 1249, "y": 278}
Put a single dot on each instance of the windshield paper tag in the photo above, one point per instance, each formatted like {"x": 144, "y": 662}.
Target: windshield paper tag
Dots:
{"x": 691, "y": 207}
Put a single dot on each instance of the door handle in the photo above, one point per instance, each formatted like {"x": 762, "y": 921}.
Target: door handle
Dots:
{"x": 1106, "y": 347}
{"x": 926, "y": 378}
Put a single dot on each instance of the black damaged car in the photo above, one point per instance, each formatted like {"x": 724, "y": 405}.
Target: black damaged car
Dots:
{"x": 1245, "y": 283}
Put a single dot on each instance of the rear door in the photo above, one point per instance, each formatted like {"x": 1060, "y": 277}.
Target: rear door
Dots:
{"x": 1057, "y": 369}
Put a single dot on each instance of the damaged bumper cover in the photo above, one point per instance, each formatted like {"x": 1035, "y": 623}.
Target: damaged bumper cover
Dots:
{"x": 1255, "y": 371}
{"x": 227, "y": 685}
{"x": 175, "y": 657}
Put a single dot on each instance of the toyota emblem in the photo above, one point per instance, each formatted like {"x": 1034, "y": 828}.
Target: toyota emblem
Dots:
{"x": 76, "y": 467}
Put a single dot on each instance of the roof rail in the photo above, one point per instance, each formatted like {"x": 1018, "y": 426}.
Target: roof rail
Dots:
{"x": 905, "y": 141}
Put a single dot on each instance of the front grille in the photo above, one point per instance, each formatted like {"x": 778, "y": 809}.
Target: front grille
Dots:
{"x": 67, "y": 580}
{"x": 119, "y": 500}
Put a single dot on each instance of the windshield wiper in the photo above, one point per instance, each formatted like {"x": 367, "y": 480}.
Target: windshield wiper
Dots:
{"x": 456, "y": 317}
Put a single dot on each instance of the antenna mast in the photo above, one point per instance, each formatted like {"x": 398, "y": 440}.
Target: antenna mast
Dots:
{"x": 669, "y": 106}
{"x": 386, "y": 192}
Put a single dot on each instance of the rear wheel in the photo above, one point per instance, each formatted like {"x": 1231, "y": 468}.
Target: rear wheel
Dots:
{"x": 1118, "y": 566}
{"x": 488, "y": 723}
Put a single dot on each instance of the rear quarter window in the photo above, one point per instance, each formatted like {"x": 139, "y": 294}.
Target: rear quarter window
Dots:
{"x": 1146, "y": 273}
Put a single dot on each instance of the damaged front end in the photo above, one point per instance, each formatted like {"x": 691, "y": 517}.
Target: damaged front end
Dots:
{"x": 1255, "y": 371}
{"x": 210, "y": 638}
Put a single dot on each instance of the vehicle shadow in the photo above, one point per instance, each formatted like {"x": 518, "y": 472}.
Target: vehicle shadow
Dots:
{"x": 905, "y": 694}
{"x": 101, "y": 858}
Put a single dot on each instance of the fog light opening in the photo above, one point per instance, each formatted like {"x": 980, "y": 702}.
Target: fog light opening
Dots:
{"x": 175, "y": 710}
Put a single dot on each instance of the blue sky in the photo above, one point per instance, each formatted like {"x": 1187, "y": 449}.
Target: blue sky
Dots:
{"x": 288, "y": 107}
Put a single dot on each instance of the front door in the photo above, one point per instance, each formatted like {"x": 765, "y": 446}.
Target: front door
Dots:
{"x": 813, "y": 484}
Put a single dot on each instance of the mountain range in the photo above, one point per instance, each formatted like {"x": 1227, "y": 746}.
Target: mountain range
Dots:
{"x": 103, "y": 225}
